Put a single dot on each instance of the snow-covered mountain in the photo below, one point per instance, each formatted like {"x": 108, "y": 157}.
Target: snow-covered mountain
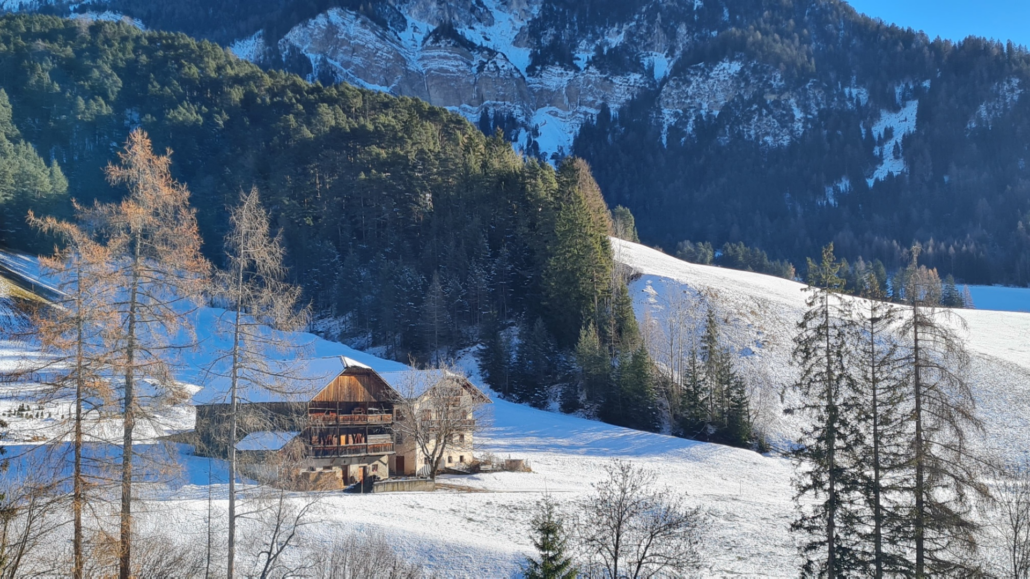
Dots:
{"x": 784, "y": 125}
{"x": 491, "y": 56}
{"x": 550, "y": 69}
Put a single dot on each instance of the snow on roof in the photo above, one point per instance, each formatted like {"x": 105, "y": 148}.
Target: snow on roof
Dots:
{"x": 265, "y": 440}
{"x": 295, "y": 381}
{"x": 415, "y": 383}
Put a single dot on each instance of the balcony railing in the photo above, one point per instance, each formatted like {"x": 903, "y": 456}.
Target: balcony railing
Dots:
{"x": 325, "y": 451}
{"x": 350, "y": 419}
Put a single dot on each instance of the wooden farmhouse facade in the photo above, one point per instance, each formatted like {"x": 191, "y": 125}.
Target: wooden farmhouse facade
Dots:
{"x": 337, "y": 423}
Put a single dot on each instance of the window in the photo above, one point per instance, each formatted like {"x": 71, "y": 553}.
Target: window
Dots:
{"x": 461, "y": 439}
{"x": 450, "y": 459}
{"x": 461, "y": 458}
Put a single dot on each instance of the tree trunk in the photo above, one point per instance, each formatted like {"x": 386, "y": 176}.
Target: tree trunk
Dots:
{"x": 77, "y": 481}
{"x": 831, "y": 444}
{"x": 232, "y": 437}
{"x": 919, "y": 523}
{"x": 877, "y": 510}
{"x": 129, "y": 422}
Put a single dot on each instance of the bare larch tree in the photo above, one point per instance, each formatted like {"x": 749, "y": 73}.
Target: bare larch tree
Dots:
{"x": 262, "y": 305}
{"x": 155, "y": 245}
{"x": 74, "y": 332}
{"x": 945, "y": 471}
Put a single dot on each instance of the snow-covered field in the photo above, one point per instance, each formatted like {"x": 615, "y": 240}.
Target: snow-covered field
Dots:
{"x": 1000, "y": 298}
{"x": 478, "y": 526}
{"x": 760, "y": 314}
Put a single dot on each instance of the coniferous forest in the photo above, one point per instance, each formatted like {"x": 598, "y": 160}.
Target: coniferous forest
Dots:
{"x": 422, "y": 233}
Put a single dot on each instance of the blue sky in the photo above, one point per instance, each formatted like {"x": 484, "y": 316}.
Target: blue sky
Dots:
{"x": 955, "y": 19}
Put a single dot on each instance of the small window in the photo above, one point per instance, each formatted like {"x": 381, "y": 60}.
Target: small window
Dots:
{"x": 461, "y": 438}
{"x": 450, "y": 459}
{"x": 461, "y": 458}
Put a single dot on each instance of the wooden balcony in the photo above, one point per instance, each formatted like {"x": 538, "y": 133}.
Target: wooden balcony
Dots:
{"x": 331, "y": 419}
{"x": 326, "y": 451}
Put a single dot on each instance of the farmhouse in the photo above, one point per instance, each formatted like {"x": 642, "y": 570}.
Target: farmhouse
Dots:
{"x": 336, "y": 420}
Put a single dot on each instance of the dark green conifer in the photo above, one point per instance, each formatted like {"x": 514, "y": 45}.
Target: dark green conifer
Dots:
{"x": 551, "y": 542}
{"x": 826, "y": 482}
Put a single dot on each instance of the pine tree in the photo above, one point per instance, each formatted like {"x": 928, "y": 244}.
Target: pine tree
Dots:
{"x": 551, "y": 542}
{"x": 944, "y": 472}
{"x": 826, "y": 388}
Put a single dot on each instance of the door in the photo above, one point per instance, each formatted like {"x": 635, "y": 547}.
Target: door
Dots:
{"x": 400, "y": 465}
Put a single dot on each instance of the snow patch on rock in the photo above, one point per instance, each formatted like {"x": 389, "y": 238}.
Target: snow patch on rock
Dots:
{"x": 1003, "y": 96}
{"x": 900, "y": 123}
{"x": 250, "y": 48}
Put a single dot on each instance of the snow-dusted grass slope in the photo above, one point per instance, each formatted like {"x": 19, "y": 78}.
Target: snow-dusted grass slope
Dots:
{"x": 760, "y": 314}
{"x": 483, "y": 532}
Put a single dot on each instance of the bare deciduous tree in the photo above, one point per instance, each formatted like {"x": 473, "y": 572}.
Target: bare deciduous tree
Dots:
{"x": 362, "y": 556}
{"x": 261, "y": 305}
{"x": 155, "y": 245}
{"x": 74, "y": 333}
{"x": 437, "y": 413}
{"x": 28, "y": 516}
{"x": 632, "y": 528}
{"x": 945, "y": 472}
{"x": 1012, "y": 521}
{"x": 278, "y": 518}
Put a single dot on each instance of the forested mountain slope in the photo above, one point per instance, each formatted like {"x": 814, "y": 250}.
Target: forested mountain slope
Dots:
{"x": 397, "y": 215}
{"x": 783, "y": 124}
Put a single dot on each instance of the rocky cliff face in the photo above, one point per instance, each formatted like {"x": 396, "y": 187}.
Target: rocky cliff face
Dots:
{"x": 486, "y": 56}
{"x": 549, "y": 66}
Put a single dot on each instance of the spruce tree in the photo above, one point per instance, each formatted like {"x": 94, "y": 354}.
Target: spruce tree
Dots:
{"x": 633, "y": 402}
{"x": 710, "y": 350}
{"x": 692, "y": 413}
{"x": 825, "y": 472}
{"x": 577, "y": 277}
{"x": 551, "y": 542}
{"x": 435, "y": 318}
{"x": 883, "y": 387}
{"x": 594, "y": 364}
{"x": 534, "y": 365}
{"x": 496, "y": 357}
{"x": 738, "y": 430}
